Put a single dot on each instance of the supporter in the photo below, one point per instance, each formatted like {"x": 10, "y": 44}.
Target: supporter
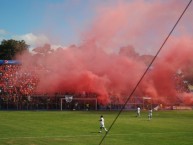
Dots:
{"x": 15, "y": 82}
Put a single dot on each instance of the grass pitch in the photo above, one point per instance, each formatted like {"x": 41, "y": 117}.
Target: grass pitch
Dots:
{"x": 81, "y": 128}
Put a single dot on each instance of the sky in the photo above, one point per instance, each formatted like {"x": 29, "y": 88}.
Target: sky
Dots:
{"x": 58, "y": 22}
{"x": 53, "y": 21}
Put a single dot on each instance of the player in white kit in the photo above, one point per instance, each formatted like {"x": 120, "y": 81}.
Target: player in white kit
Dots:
{"x": 150, "y": 114}
{"x": 102, "y": 124}
{"x": 138, "y": 111}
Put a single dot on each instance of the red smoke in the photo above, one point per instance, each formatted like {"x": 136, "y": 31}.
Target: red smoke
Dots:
{"x": 111, "y": 60}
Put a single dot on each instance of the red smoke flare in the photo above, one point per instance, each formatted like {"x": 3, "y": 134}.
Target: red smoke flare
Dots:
{"x": 102, "y": 65}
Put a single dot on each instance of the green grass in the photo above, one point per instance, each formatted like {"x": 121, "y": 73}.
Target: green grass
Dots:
{"x": 81, "y": 128}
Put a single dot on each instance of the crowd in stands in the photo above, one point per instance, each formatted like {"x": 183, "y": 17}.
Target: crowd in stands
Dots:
{"x": 17, "y": 89}
{"x": 181, "y": 85}
{"x": 15, "y": 84}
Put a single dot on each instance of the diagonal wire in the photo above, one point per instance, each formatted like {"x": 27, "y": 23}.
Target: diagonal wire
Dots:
{"x": 146, "y": 71}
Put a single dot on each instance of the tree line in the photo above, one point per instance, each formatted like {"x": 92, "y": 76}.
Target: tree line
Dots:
{"x": 9, "y": 49}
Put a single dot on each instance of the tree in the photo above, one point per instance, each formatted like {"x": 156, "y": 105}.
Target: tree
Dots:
{"x": 43, "y": 50}
{"x": 9, "y": 49}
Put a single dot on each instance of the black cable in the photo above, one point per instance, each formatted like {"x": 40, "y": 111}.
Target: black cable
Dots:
{"x": 145, "y": 72}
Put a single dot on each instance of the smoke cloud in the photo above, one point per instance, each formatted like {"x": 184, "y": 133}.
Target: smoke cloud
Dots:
{"x": 114, "y": 53}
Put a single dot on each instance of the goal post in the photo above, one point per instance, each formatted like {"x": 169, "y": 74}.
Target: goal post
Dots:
{"x": 73, "y": 100}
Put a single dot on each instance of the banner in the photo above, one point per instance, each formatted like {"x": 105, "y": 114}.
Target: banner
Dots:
{"x": 2, "y": 62}
{"x": 182, "y": 108}
{"x": 68, "y": 98}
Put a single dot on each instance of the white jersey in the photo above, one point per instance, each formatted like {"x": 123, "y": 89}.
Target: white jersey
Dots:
{"x": 102, "y": 122}
{"x": 150, "y": 112}
{"x": 138, "y": 110}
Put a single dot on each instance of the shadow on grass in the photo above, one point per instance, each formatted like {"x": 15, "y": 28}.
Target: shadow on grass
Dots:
{"x": 95, "y": 132}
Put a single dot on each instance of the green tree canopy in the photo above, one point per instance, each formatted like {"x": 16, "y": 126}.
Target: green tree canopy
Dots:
{"x": 43, "y": 50}
{"x": 9, "y": 49}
